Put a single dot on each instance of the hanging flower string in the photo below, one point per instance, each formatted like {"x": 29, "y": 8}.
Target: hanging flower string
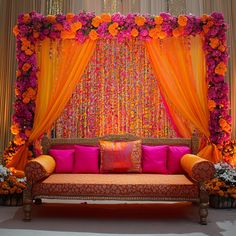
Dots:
{"x": 33, "y": 27}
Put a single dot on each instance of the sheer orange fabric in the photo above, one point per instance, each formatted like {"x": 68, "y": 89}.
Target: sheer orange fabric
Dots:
{"x": 179, "y": 66}
{"x": 54, "y": 90}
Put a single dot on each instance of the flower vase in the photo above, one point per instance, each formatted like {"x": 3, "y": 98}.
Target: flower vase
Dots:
{"x": 222, "y": 202}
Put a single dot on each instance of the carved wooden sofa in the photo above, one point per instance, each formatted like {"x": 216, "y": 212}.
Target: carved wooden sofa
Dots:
{"x": 43, "y": 183}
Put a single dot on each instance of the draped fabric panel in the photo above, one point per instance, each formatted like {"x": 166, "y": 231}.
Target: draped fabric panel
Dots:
{"x": 175, "y": 61}
{"x": 55, "y": 91}
{"x": 173, "y": 66}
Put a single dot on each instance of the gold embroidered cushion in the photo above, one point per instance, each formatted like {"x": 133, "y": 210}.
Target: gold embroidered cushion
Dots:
{"x": 120, "y": 156}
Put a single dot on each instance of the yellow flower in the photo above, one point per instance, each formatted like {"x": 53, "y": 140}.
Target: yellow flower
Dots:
{"x": 153, "y": 33}
{"x": 182, "y": 20}
{"x": 93, "y": 35}
{"x": 15, "y": 30}
{"x": 18, "y": 140}
{"x": 162, "y": 34}
{"x": 15, "y": 129}
{"x": 139, "y": 20}
{"x": 177, "y": 32}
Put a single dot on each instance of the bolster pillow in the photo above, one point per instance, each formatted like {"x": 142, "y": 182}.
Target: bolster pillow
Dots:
{"x": 39, "y": 168}
{"x": 197, "y": 168}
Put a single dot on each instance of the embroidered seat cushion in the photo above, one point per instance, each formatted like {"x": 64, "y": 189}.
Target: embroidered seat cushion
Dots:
{"x": 113, "y": 185}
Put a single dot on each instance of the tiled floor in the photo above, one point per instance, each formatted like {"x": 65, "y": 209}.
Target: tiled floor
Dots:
{"x": 122, "y": 219}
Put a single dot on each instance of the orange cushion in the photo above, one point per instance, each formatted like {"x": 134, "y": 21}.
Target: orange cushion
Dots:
{"x": 120, "y": 156}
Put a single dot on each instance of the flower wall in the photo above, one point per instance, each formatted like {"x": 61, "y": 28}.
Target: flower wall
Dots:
{"x": 34, "y": 27}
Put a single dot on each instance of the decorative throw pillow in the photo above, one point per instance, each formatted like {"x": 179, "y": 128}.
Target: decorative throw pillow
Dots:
{"x": 120, "y": 156}
{"x": 175, "y": 153}
{"x": 64, "y": 160}
{"x": 154, "y": 159}
{"x": 86, "y": 159}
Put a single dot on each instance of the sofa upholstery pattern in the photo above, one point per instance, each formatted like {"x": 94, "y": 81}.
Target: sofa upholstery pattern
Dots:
{"x": 43, "y": 182}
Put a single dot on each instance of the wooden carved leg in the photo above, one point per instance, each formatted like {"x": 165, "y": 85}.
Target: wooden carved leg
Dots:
{"x": 27, "y": 204}
{"x": 203, "y": 208}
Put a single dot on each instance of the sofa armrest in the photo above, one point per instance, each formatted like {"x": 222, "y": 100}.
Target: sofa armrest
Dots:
{"x": 197, "y": 168}
{"x": 39, "y": 168}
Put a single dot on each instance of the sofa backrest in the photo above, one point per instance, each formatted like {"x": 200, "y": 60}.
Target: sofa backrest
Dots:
{"x": 192, "y": 142}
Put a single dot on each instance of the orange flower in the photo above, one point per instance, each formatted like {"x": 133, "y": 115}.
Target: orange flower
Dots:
{"x": 28, "y": 132}
{"x": 221, "y": 68}
{"x": 214, "y": 42}
{"x": 224, "y": 125}
{"x": 113, "y": 32}
{"x": 134, "y": 32}
{"x": 15, "y": 129}
{"x": 26, "y": 18}
{"x": 69, "y": 17}
{"x": 139, "y": 20}
{"x": 67, "y": 34}
{"x": 221, "y": 48}
{"x": 162, "y": 34}
{"x": 35, "y": 34}
{"x": 17, "y": 91}
{"x": 113, "y": 26}
{"x": 58, "y": 27}
{"x": 204, "y": 18}
{"x": 76, "y": 26}
{"x": 93, "y": 35}
{"x": 153, "y": 33}
{"x": 106, "y": 17}
{"x": 205, "y": 28}
{"x": 18, "y": 73}
{"x": 211, "y": 105}
{"x": 15, "y": 30}
{"x": 51, "y": 18}
{"x": 18, "y": 140}
{"x": 26, "y": 67}
{"x": 210, "y": 23}
{"x": 26, "y": 100}
{"x": 113, "y": 29}
{"x": 177, "y": 31}
{"x": 182, "y": 20}
{"x": 31, "y": 92}
{"x": 96, "y": 21}
{"x": 158, "y": 20}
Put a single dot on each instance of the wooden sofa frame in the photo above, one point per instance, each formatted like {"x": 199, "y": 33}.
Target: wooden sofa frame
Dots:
{"x": 193, "y": 143}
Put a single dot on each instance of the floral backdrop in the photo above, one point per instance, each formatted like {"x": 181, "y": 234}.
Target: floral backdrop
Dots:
{"x": 118, "y": 94}
{"x": 33, "y": 27}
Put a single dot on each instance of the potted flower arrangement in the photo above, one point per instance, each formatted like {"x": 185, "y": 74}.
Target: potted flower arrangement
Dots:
{"x": 222, "y": 188}
{"x": 11, "y": 188}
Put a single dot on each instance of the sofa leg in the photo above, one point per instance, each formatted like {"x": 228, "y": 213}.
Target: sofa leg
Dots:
{"x": 27, "y": 204}
{"x": 203, "y": 207}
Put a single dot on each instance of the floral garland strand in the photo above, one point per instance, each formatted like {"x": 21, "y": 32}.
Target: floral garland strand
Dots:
{"x": 33, "y": 27}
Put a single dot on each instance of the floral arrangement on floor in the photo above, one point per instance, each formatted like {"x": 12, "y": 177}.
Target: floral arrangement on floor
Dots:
{"x": 34, "y": 27}
{"x": 9, "y": 183}
{"x": 224, "y": 182}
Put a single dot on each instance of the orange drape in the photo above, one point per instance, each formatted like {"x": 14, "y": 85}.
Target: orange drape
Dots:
{"x": 54, "y": 90}
{"x": 179, "y": 66}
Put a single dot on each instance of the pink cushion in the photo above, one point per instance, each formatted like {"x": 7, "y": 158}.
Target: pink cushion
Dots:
{"x": 154, "y": 159}
{"x": 175, "y": 153}
{"x": 64, "y": 160}
{"x": 86, "y": 159}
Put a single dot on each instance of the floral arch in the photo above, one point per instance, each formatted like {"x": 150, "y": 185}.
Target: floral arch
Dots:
{"x": 167, "y": 39}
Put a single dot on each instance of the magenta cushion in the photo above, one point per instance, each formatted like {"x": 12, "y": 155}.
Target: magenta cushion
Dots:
{"x": 64, "y": 160}
{"x": 86, "y": 159}
{"x": 154, "y": 159}
{"x": 175, "y": 153}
